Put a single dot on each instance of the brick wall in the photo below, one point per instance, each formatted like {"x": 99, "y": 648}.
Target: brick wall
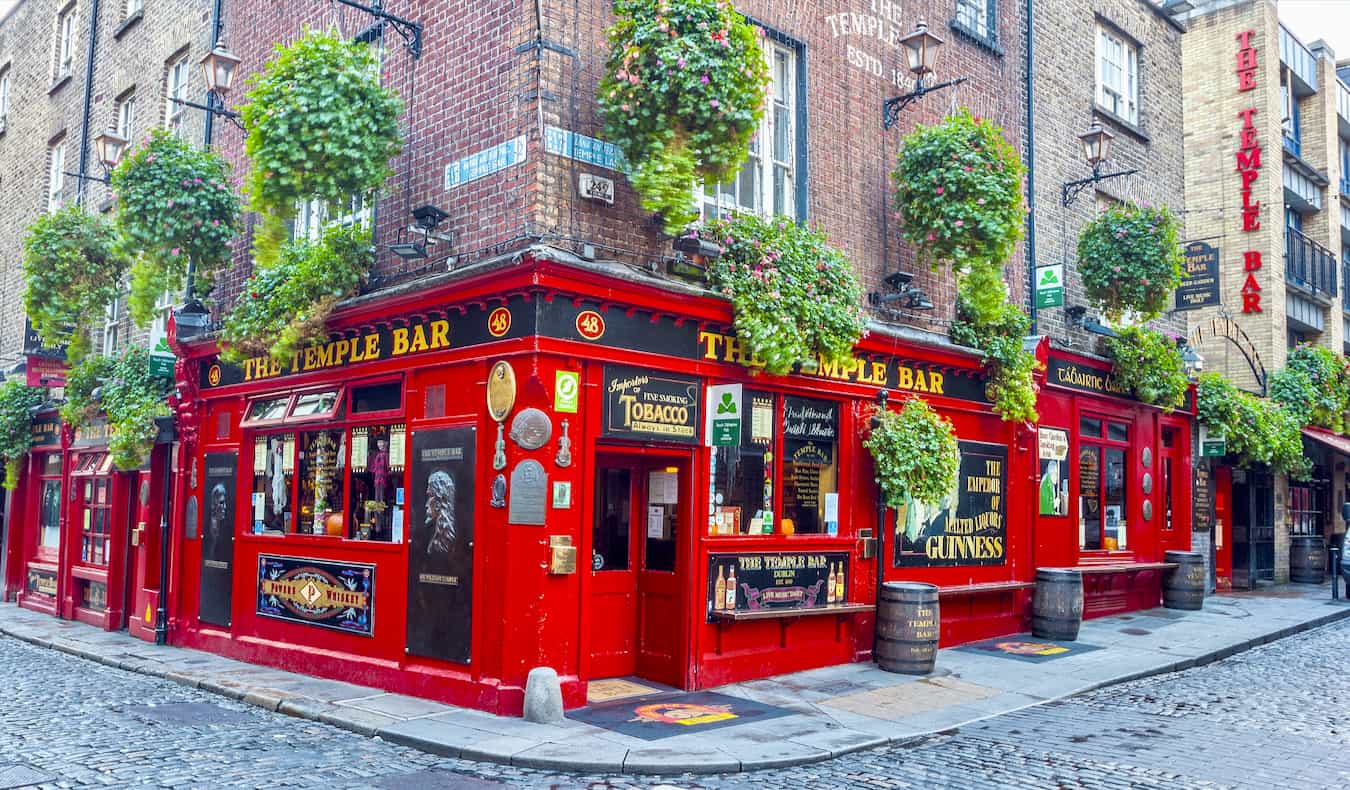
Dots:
{"x": 1065, "y": 106}
{"x": 129, "y": 60}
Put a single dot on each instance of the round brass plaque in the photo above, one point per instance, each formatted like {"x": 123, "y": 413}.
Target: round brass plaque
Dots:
{"x": 501, "y": 390}
{"x": 1147, "y": 483}
{"x": 531, "y": 429}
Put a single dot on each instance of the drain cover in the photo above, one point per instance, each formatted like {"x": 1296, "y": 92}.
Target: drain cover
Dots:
{"x": 1135, "y": 631}
{"x": 187, "y": 714}
{"x": 16, "y": 775}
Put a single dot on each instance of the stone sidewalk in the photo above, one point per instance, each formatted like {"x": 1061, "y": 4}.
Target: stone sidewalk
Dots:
{"x": 823, "y": 713}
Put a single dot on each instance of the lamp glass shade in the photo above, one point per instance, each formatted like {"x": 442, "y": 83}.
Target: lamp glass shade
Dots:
{"x": 921, "y": 47}
{"x": 218, "y": 69}
{"x": 1096, "y": 144}
{"x": 109, "y": 147}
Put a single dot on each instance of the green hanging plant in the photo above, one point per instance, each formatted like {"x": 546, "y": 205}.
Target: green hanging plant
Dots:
{"x": 1149, "y": 364}
{"x": 959, "y": 192}
{"x": 174, "y": 205}
{"x": 1130, "y": 260}
{"x": 82, "y": 380}
{"x": 1314, "y": 386}
{"x": 128, "y": 395}
{"x": 16, "y": 418}
{"x": 987, "y": 321}
{"x": 915, "y": 454}
{"x": 683, "y": 91}
{"x": 72, "y": 271}
{"x": 795, "y": 297}
{"x": 1256, "y": 431}
{"x": 320, "y": 127}
{"x": 285, "y": 307}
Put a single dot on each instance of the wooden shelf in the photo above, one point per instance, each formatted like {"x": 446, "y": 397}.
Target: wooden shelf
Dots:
{"x": 778, "y": 614}
{"x": 981, "y": 589}
{"x": 1131, "y": 567}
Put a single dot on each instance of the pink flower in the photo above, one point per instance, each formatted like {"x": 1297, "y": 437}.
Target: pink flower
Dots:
{"x": 980, "y": 202}
{"x": 170, "y": 204}
{"x": 215, "y": 222}
{"x": 714, "y": 104}
{"x": 197, "y": 181}
{"x": 634, "y": 79}
{"x": 187, "y": 183}
{"x": 1116, "y": 269}
{"x": 680, "y": 62}
{"x": 960, "y": 222}
{"x": 174, "y": 251}
{"x": 624, "y": 107}
{"x": 940, "y": 190}
{"x": 932, "y": 237}
{"x": 966, "y": 168}
{"x": 704, "y": 79}
{"x": 1143, "y": 281}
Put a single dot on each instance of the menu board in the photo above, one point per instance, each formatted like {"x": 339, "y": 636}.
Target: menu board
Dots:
{"x": 967, "y": 526}
{"x": 1203, "y": 507}
{"x": 810, "y": 430}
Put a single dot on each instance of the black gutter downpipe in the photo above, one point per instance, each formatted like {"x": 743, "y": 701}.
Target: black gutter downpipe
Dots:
{"x": 88, "y": 103}
{"x": 1031, "y": 169}
{"x": 217, "y": 10}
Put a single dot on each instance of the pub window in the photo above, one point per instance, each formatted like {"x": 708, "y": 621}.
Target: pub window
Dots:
{"x": 320, "y": 469}
{"x": 265, "y": 410}
{"x": 95, "y": 513}
{"x": 289, "y": 409}
{"x": 743, "y": 476}
{"x": 1102, "y": 473}
{"x": 377, "y": 398}
{"x": 810, "y": 466}
{"x": 273, "y": 480}
{"x": 614, "y": 513}
{"x": 49, "y": 515}
{"x": 376, "y": 482}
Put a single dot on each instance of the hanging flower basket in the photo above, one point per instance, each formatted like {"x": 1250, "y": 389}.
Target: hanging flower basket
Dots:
{"x": 133, "y": 400}
{"x": 795, "y": 297}
{"x": 915, "y": 454}
{"x": 1314, "y": 386}
{"x": 16, "y": 418}
{"x": 320, "y": 127}
{"x": 175, "y": 204}
{"x": 1130, "y": 261}
{"x": 683, "y": 91}
{"x": 959, "y": 192}
{"x": 72, "y": 271}
{"x": 1149, "y": 364}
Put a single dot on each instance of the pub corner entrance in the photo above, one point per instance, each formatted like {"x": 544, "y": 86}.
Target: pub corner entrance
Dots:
{"x": 639, "y": 565}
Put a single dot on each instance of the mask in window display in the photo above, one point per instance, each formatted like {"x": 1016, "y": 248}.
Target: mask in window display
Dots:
{"x": 440, "y": 512}
{"x": 276, "y": 473}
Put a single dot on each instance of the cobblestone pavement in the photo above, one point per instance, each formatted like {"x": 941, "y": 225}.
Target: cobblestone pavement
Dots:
{"x": 1274, "y": 717}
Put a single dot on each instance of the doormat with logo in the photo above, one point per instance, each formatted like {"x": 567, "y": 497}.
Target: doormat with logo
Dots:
{"x": 610, "y": 689}
{"x": 1025, "y": 647}
{"x": 658, "y": 716}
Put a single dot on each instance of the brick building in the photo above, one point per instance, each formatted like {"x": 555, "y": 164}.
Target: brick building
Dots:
{"x": 141, "y": 55}
{"x": 1267, "y": 135}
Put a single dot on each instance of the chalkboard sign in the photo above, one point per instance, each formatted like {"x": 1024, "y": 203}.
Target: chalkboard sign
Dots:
{"x": 810, "y": 429}
{"x": 1202, "y": 511}
{"x": 753, "y": 582}
{"x": 642, "y": 404}
{"x": 967, "y": 527}
{"x": 1200, "y": 284}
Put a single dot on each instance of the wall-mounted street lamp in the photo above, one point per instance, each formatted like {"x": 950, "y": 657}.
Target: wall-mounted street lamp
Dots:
{"x": 1078, "y": 319}
{"x": 1096, "y": 143}
{"x": 1193, "y": 361}
{"x": 108, "y": 147}
{"x": 921, "y": 50}
{"x": 218, "y": 69}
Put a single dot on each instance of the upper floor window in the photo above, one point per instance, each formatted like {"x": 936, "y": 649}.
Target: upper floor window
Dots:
{"x": 977, "y": 17}
{"x": 133, "y": 6}
{"x": 56, "y": 175}
{"x": 4, "y": 97}
{"x": 126, "y": 115}
{"x": 65, "y": 41}
{"x": 312, "y": 216}
{"x": 112, "y": 325}
{"x": 771, "y": 180}
{"x": 1117, "y": 75}
{"x": 175, "y": 88}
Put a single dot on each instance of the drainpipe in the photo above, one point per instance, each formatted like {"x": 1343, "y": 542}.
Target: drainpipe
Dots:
{"x": 88, "y": 102}
{"x": 217, "y": 10}
{"x": 1031, "y": 169}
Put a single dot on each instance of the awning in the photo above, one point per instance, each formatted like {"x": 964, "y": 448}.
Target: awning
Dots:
{"x": 1335, "y": 441}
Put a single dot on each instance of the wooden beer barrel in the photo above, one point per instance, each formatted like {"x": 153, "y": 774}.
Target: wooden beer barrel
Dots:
{"x": 908, "y": 625}
{"x": 1057, "y": 604}
{"x": 1307, "y": 559}
{"x": 1184, "y": 585}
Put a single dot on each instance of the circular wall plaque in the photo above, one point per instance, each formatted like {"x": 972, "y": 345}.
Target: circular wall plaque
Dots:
{"x": 1147, "y": 483}
{"x": 1147, "y": 457}
{"x": 1148, "y": 510}
{"x": 501, "y": 390}
{"x": 531, "y": 429}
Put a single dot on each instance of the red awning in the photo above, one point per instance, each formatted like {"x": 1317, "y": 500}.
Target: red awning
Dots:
{"x": 1335, "y": 441}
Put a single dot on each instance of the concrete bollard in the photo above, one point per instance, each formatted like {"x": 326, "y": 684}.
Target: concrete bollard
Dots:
{"x": 543, "y": 697}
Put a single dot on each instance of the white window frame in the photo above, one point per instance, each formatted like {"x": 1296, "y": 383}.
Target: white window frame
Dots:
{"x": 65, "y": 42}
{"x": 132, "y": 7}
{"x": 56, "y": 176}
{"x": 974, "y": 16}
{"x": 175, "y": 85}
{"x": 5, "y": 86}
{"x": 313, "y": 216}
{"x": 126, "y": 115}
{"x": 717, "y": 199}
{"x": 1117, "y": 74}
{"x": 112, "y": 322}
{"x": 159, "y": 325}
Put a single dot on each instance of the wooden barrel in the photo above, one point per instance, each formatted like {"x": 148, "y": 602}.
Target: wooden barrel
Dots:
{"x": 1057, "y": 605}
{"x": 1308, "y": 559}
{"x": 907, "y": 628}
{"x": 1184, "y": 585}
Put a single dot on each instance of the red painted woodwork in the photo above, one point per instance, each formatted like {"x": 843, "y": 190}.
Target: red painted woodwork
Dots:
{"x": 1223, "y": 527}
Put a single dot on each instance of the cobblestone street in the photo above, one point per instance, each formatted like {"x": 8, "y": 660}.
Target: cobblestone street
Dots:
{"x": 1272, "y": 717}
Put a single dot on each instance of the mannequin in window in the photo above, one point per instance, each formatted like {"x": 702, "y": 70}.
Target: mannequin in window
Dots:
{"x": 379, "y": 468}
{"x": 276, "y": 474}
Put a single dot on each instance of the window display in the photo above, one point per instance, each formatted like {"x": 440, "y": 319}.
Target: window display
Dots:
{"x": 1102, "y": 515}
{"x": 810, "y": 466}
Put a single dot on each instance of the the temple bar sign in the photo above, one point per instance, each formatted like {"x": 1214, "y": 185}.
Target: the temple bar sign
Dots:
{"x": 1200, "y": 284}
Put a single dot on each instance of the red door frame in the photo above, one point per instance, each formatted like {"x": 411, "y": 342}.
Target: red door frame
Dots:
{"x": 1223, "y": 527}
{"x": 643, "y": 458}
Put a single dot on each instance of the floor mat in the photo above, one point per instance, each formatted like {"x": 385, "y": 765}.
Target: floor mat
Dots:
{"x": 1025, "y": 647}
{"x": 658, "y": 716}
{"x": 610, "y": 689}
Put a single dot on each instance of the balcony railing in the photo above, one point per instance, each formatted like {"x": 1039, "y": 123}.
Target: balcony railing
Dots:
{"x": 1345, "y": 285}
{"x": 1298, "y": 58}
{"x": 1345, "y": 187}
{"x": 1292, "y": 144}
{"x": 1309, "y": 264}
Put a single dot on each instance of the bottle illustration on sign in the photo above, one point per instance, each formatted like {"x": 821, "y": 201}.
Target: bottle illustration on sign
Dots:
{"x": 731, "y": 588}
{"x": 829, "y": 585}
{"x": 839, "y": 585}
{"x": 720, "y": 591}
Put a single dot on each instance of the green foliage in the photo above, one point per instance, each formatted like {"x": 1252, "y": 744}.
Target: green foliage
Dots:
{"x": 915, "y": 454}
{"x": 1256, "y": 430}
{"x": 987, "y": 321}
{"x": 959, "y": 192}
{"x": 320, "y": 127}
{"x": 285, "y": 307}
{"x": 683, "y": 90}
{"x": 82, "y": 379}
{"x": 132, "y": 398}
{"x": 16, "y": 417}
{"x": 795, "y": 297}
{"x": 1314, "y": 386}
{"x": 174, "y": 205}
{"x": 1130, "y": 260}
{"x": 71, "y": 271}
{"x": 1150, "y": 365}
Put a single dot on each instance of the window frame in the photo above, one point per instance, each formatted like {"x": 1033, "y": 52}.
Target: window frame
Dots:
{"x": 132, "y": 8}
{"x": 63, "y": 50}
{"x": 176, "y": 71}
{"x": 6, "y": 87}
{"x": 762, "y": 149}
{"x": 313, "y": 217}
{"x": 56, "y": 175}
{"x": 985, "y": 14}
{"x": 1102, "y": 443}
{"x": 1127, "y": 92}
{"x": 126, "y": 114}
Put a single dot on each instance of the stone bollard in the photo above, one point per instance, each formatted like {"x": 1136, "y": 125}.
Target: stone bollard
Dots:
{"x": 543, "y": 697}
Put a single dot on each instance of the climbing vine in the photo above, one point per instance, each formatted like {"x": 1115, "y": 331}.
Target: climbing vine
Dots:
{"x": 17, "y": 403}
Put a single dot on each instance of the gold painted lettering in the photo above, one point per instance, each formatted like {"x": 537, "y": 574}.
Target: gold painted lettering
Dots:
{"x": 935, "y": 382}
{"x": 440, "y": 334}
{"x": 906, "y": 378}
{"x": 400, "y": 341}
{"x": 372, "y": 346}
